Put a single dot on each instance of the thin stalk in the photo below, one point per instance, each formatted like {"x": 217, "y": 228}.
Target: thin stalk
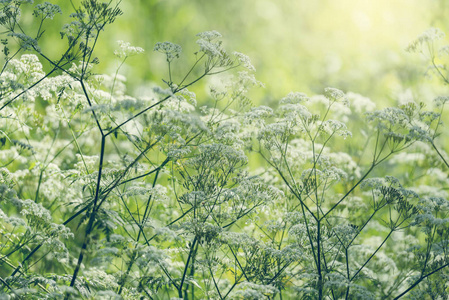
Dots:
{"x": 419, "y": 280}
{"x": 372, "y": 255}
{"x": 192, "y": 247}
{"x": 92, "y": 215}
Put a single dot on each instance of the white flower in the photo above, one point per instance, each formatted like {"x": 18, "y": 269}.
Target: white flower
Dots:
{"x": 441, "y": 101}
{"x": 359, "y": 103}
{"x": 211, "y": 46}
{"x": 336, "y": 127}
{"x": 390, "y": 116}
{"x": 444, "y": 50}
{"x": 171, "y": 50}
{"x": 245, "y": 61}
{"x": 28, "y": 43}
{"x": 47, "y": 10}
{"x": 408, "y": 158}
{"x": 209, "y": 35}
{"x": 335, "y": 95}
{"x": 126, "y": 50}
{"x": 294, "y": 98}
{"x": 35, "y": 210}
{"x": 211, "y": 49}
{"x": 27, "y": 67}
{"x": 257, "y": 114}
{"x": 428, "y": 36}
{"x": 294, "y": 110}
{"x": 249, "y": 290}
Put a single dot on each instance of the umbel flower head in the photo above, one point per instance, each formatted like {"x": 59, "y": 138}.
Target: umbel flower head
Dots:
{"x": 428, "y": 36}
{"x": 335, "y": 95}
{"x": 171, "y": 50}
{"x": 126, "y": 50}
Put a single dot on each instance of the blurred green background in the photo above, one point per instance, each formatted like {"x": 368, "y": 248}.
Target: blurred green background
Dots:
{"x": 295, "y": 45}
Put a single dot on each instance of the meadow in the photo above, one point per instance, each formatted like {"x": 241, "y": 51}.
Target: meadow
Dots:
{"x": 132, "y": 167}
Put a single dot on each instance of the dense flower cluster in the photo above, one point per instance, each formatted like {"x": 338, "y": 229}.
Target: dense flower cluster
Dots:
{"x": 104, "y": 195}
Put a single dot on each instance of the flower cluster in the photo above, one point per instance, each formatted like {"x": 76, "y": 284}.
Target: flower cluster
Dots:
{"x": 126, "y": 50}
{"x": 107, "y": 195}
{"x": 171, "y": 50}
{"x": 427, "y": 37}
{"x": 47, "y": 10}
